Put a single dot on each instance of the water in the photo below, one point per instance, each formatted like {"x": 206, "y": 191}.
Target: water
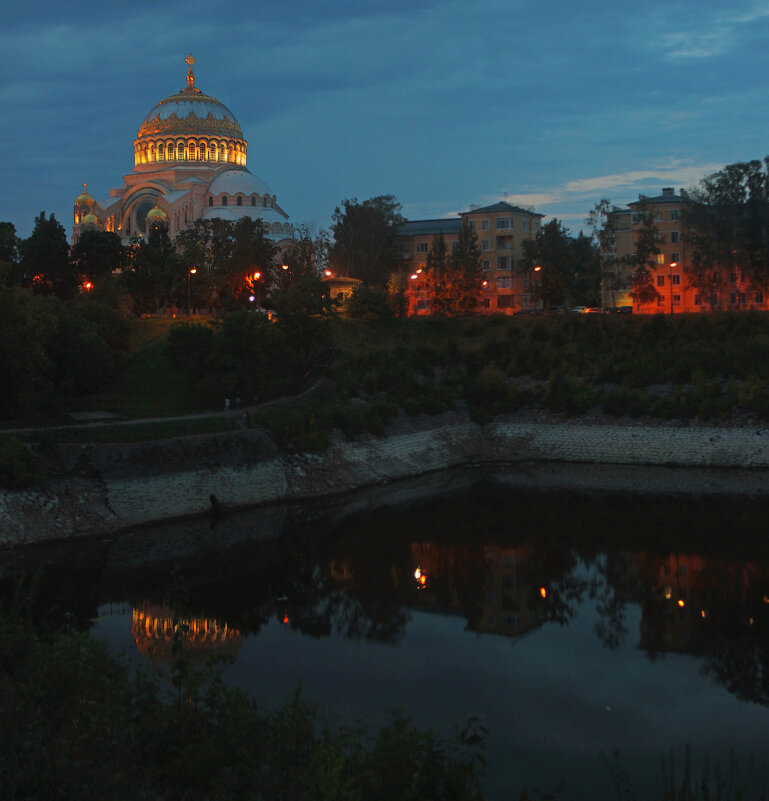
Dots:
{"x": 571, "y": 626}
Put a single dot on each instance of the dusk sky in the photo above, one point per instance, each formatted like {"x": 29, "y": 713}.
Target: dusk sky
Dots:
{"x": 553, "y": 104}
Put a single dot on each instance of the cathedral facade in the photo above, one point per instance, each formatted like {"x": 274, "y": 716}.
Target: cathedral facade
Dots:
{"x": 189, "y": 164}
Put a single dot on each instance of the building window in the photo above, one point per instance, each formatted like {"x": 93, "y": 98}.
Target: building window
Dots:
{"x": 675, "y": 280}
{"x": 454, "y": 246}
{"x": 485, "y": 244}
{"x": 673, "y": 214}
{"x": 484, "y": 225}
{"x": 675, "y": 236}
{"x": 180, "y": 151}
{"x": 505, "y": 301}
{"x": 423, "y": 247}
{"x": 732, "y": 298}
{"x": 210, "y": 200}
{"x": 224, "y": 201}
{"x": 486, "y": 303}
{"x": 473, "y": 225}
{"x": 660, "y": 280}
{"x": 676, "y": 300}
{"x": 732, "y": 278}
{"x": 758, "y": 297}
{"x": 697, "y": 300}
{"x": 253, "y": 201}
{"x": 239, "y": 201}
{"x": 486, "y": 264}
{"x": 660, "y": 300}
{"x": 660, "y": 258}
{"x": 504, "y": 282}
{"x": 504, "y": 222}
{"x": 503, "y": 262}
{"x": 675, "y": 257}
{"x": 524, "y": 225}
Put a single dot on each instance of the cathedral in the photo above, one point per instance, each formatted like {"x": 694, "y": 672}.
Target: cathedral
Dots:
{"x": 189, "y": 164}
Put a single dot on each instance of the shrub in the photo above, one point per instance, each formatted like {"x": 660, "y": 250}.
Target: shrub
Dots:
{"x": 18, "y": 467}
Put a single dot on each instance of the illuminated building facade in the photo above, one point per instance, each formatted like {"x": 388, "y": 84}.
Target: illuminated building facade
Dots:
{"x": 189, "y": 164}
{"x": 501, "y": 228}
{"x": 675, "y": 291}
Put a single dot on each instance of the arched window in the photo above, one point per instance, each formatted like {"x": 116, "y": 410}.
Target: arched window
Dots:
{"x": 203, "y": 151}
{"x": 264, "y": 201}
{"x": 253, "y": 200}
{"x": 239, "y": 201}
{"x": 224, "y": 201}
{"x": 170, "y": 151}
{"x": 232, "y": 155}
{"x": 210, "y": 200}
{"x": 180, "y": 151}
{"x": 159, "y": 152}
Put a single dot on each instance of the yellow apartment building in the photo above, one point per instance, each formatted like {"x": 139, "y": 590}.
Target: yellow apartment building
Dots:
{"x": 501, "y": 228}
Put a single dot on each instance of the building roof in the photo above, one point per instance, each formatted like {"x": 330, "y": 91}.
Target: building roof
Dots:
{"x": 446, "y": 225}
{"x": 667, "y": 196}
{"x": 502, "y": 206}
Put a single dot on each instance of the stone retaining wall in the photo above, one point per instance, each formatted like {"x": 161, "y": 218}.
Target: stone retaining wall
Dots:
{"x": 111, "y": 488}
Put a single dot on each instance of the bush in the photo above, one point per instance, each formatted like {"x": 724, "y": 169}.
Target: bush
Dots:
{"x": 18, "y": 467}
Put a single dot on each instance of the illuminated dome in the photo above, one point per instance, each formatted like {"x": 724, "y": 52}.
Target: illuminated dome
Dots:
{"x": 90, "y": 219}
{"x": 84, "y": 198}
{"x": 190, "y": 127}
{"x": 156, "y": 214}
{"x": 190, "y": 111}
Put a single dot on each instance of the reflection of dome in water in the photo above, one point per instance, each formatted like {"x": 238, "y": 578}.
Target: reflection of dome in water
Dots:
{"x": 152, "y": 627}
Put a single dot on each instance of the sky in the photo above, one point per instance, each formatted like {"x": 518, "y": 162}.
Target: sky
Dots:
{"x": 444, "y": 104}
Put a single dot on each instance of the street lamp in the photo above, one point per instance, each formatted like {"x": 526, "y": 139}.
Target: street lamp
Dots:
{"x": 672, "y": 265}
{"x": 190, "y": 273}
{"x": 257, "y": 276}
{"x": 537, "y": 268}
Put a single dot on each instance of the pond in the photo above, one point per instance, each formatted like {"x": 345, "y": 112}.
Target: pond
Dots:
{"x": 573, "y": 627}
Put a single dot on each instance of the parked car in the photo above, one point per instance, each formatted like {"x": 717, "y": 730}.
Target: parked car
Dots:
{"x": 593, "y": 310}
{"x": 579, "y": 310}
{"x": 623, "y": 310}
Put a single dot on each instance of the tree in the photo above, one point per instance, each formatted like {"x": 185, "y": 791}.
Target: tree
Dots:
{"x": 151, "y": 277}
{"x": 252, "y": 252}
{"x": 726, "y": 223}
{"x": 549, "y": 261}
{"x": 644, "y": 260}
{"x": 307, "y": 257}
{"x": 602, "y": 222}
{"x": 365, "y": 239}
{"x": 45, "y": 260}
{"x": 97, "y": 253}
{"x": 9, "y": 254}
{"x": 454, "y": 280}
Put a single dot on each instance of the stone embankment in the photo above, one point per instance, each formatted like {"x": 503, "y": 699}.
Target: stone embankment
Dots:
{"x": 102, "y": 489}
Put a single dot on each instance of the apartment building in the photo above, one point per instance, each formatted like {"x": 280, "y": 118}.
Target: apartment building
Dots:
{"x": 501, "y": 228}
{"x": 676, "y": 292}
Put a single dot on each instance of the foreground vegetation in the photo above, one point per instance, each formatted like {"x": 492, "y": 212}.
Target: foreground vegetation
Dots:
{"x": 366, "y": 372}
{"x": 75, "y": 722}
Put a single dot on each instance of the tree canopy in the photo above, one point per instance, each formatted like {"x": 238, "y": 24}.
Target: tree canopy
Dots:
{"x": 727, "y": 227}
{"x": 365, "y": 239}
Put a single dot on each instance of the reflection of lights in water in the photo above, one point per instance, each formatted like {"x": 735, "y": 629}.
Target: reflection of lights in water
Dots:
{"x": 704, "y": 614}
{"x": 421, "y": 578}
{"x": 543, "y": 592}
{"x": 153, "y": 630}
{"x": 285, "y": 619}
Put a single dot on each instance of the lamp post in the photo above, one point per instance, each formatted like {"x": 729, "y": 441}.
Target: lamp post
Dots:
{"x": 257, "y": 276}
{"x": 190, "y": 273}
{"x": 670, "y": 277}
{"x": 537, "y": 269}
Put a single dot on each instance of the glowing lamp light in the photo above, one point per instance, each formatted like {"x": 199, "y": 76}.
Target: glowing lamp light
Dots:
{"x": 284, "y": 266}
{"x": 257, "y": 276}
{"x": 419, "y": 270}
{"x": 328, "y": 273}
{"x": 704, "y": 614}
{"x": 252, "y": 298}
{"x": 285, "y": 619}
{"x": 537, "y": 268}
{"x": 681, "y": 603}
{"x": 543, "y": 592}
{"x": 417, "y": 573}
{"x": 423, "y": 579}
{"x": 413, "y": 276}
{"x": 88, "y": 286}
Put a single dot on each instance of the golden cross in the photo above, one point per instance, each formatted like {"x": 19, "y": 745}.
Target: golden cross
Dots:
{"x": 190, "y": 74}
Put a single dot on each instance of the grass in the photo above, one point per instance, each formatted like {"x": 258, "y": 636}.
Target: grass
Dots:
{"x": 141, "y": 432}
